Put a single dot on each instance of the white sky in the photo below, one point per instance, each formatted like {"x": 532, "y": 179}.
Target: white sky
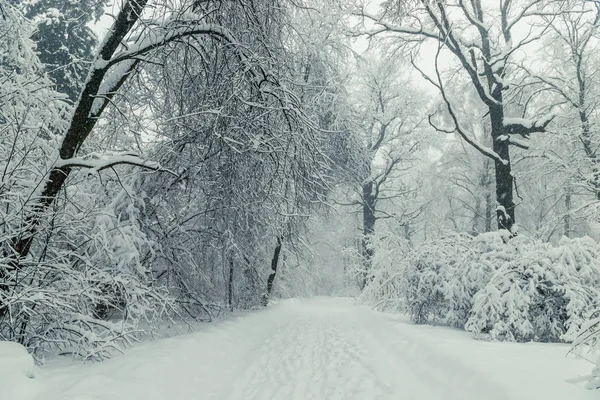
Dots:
{"x": 101, "y": 27}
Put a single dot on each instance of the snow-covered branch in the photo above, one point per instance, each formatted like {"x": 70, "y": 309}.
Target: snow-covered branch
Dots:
{"x": 384, "y": 26}
{"x": 525, "y": 127}
{"x": 458, "y": 128}
{"x": 159, "y": 36}
{"x": 97, "y": 163}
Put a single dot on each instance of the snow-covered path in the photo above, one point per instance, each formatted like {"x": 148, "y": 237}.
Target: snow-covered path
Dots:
{"x": 320, "y": 349}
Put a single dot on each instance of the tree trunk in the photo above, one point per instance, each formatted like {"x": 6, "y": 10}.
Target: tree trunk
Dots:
{"x": 475, "y": 222}
{"x": 505, "y": 211}
{"x": 586, "y": 140}
{"x": 488, "y": 212}
{"x": 273, "y": 273}
{"x": 408, "y": 233}
{"x": 368, "y": 252}
{"x": 486, "y": 184}
{"x": 230, "y": 286}
{"x": 586, "y": 133}
{"x": 567, "y": 217}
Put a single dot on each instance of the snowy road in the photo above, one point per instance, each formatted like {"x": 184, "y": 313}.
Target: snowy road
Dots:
{"x": 320, "y": 349}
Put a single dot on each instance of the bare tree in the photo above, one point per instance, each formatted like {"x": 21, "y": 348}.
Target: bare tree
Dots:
{"x": 389, "y": 123}
{"x": 574, "y": 83}
{"x": 483, "y": 40}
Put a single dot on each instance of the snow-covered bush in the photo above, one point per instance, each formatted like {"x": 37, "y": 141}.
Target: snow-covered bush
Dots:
{"x": 82, "y": 288}
{"x": 433, "y": 282}
{"x": 387, "y": 277}
{"x": 587, "y": 345}
{"x": 475, "y": 259}
{"x": 425, "y": 272}
{"x": 88, "y": 292}
{"x": 515, "y": 289}
{"x": 543, "y": 292}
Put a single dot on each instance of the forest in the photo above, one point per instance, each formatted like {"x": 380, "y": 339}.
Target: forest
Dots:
{"x": 176, "y": 161}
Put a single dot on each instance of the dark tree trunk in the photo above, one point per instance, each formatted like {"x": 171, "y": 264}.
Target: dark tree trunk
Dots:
{"x": 408, "y": 233}
{"x": 273, "y": 273}
{"x": 505, "y": 211}
{"x": 586, "y": 140}
{"x": 486, "y": 185}
{"x": 586, "y": 133}
{"x": 368, "y": 252}
{"x": 230, "y": 286}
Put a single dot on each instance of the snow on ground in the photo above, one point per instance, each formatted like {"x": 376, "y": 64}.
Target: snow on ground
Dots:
{"x": 16, "y": 371}
{"x": 324, "y": 348}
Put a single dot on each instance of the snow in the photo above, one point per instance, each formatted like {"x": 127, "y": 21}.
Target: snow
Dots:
{"x": 97, "y": 162}
{"x": 110, "y": 82}
{"x": 322, "y": 348}
{"x": 526, "y": 123}
{"x": 16, "y": 371}
{"x": 524, "y": 144}
{"x": 15, "y": 360}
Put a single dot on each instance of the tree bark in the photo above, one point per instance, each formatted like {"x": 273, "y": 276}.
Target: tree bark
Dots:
{"x": 505, "y": 211}
{"x": 273, "y": 273}
{"x": 586, "y": 140}
{"x": 368, "y": 251}
{"x": 586, "y": 133}
{"x": 230, "y": 286}
{"x": 475, "y": 222}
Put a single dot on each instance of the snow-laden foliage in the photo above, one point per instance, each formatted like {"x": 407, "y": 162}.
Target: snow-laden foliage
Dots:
{"x": 83, "y": 288}
{"x": 64, "y": 41}
{"x": 223, "y": 100}
{"x": 539, "y": 292}
{"x": 586, "y": 344}
{"x": 88, "y": 291}
{"x": 515, "y": 289}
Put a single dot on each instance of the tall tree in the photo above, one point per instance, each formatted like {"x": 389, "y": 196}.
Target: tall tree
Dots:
{"x": 251, "y": 162}
{"x": 566, "y": 70}
{"x": 484, "y": 40}
{"x": 573, "y": 37}
{"x": 463, "y": 180}
{"x": 389, "y": 121}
